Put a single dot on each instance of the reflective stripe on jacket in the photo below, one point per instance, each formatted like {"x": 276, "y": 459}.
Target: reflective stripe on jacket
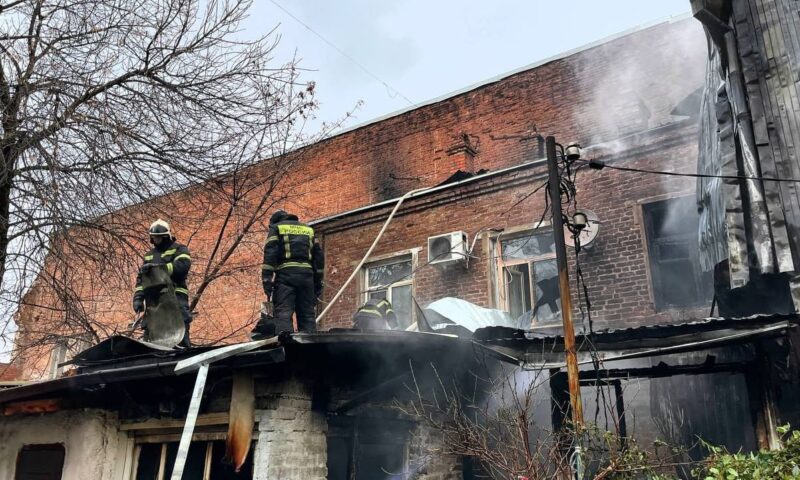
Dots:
{"x": 177, "y": 260}
{"x": 291, "y": 244}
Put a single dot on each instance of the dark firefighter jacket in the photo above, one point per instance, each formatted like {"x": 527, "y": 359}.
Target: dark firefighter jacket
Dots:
{"x": 376, "y": 315}
{"x": 291, "y": 244}
{"x": 175, "y": 257}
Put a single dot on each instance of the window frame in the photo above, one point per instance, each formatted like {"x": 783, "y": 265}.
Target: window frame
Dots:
{"x": 210, "y": 428}
{"x": 501, "y": 264}
{"x": 208, "y": 461}
{"x": 352, "y": 430}
{"x": 410, "y": 255}
{"x": 642, "y": 219}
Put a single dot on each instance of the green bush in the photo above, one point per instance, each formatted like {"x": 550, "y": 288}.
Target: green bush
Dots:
{"x": 765, "y": 465}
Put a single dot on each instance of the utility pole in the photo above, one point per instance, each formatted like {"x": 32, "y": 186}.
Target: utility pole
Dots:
{"x": 554, "y": 181}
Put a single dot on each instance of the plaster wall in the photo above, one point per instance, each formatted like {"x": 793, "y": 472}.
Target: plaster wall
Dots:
{"x": 95, "y": 448}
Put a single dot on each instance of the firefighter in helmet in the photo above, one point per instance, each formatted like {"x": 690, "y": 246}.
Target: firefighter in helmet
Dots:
{"x": 376, "y": 314}
{"x": 292, "y": 272}
{"x": 177, "y": 261}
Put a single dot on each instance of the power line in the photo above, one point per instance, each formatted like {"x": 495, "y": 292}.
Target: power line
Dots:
{"x": 599, "y": 165}
{"x": 344, "y": 54}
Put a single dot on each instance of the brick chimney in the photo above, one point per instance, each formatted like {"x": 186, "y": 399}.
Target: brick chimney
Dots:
{"x": 462, "y": 154}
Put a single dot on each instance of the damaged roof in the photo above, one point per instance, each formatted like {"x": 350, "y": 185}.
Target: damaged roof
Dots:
{"x": 535, "y": 348}
{"x": 119, "y": 359}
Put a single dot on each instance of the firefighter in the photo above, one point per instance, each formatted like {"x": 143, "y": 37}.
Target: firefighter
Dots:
{"x": 292, "y": 272}
{"x": 177, "y": 261}
{"x": 376, "y": 314}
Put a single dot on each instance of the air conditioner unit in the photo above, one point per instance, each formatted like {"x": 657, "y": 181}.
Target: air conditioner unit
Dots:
{"x": 447, "y": 248}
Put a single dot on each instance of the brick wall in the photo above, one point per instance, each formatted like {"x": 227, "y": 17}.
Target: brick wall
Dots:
{"x": 615, "y": 266}
{"x": 292, "y": 437}
{"x": 605, "y": 92}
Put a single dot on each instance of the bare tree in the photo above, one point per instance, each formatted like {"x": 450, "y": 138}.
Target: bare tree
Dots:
{"x": 106, "y": 104}
{"x": 490, "y": 418}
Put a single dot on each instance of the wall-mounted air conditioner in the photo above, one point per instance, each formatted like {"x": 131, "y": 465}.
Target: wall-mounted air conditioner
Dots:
{"x": 447, "y": 248}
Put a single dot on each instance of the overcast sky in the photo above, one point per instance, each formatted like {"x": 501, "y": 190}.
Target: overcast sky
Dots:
{"x": 424, "y": 49}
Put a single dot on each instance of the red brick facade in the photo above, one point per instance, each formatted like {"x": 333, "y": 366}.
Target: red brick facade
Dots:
{"x": 601, "y": 94}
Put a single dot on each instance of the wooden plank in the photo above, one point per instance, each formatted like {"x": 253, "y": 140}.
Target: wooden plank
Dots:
{"x": 207, "y": 419}
{"x": 176, "y": 437}
{"x": 193, "y": 363}
{"x": 191, "y": 418}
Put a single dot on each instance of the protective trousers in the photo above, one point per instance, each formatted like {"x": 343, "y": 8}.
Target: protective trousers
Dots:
{"x": 183, "y": 304}
{"x": 294, "y": 292}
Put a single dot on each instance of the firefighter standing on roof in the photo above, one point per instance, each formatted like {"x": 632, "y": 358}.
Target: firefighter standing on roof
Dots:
{"x": 176, "y": 259}
{"x": 292, "y": 272}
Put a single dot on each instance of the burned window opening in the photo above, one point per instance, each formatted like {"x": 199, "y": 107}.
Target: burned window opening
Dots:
{"x": 529, "y": 276}
{"x": 205, "y": 461}
{"x": 40, "y": 462}
{"x": 367, "y": 448}
{"x": 678, "y": 281}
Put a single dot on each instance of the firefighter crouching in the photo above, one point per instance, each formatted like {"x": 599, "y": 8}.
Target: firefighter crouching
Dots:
{"x": 177, "y": 261}
{"x": 292, "y": 272}
{"x": 375, "y": 315}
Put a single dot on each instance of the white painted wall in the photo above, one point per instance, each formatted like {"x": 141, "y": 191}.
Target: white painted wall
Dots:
{"x": 95, "y": 448}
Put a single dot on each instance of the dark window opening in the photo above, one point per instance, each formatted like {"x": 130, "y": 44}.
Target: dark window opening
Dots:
{"x": 672, "y": 241}
{"x": 40, "y": 462}
{"x": 360, "y": 451}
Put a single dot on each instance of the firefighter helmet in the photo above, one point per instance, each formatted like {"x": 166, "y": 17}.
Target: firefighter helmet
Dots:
{"x": 159, "y": 228}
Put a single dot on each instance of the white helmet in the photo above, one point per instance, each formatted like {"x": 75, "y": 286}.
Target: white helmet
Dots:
{"x": 159, "y": 228}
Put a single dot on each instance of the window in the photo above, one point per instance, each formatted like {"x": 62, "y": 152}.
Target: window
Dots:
{"x": 672, "y": 228}
{"x": 203, "y": 462}
{"x": 392, "y": 280}
{"x": 40, "y": 462}
{"x": 57, "y": 357}
{"x": 529, "y": 276}
{"x": 367, "y": 451}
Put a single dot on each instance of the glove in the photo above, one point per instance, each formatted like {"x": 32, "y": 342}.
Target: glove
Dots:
{"x": 318, "y": 292}
{"x": 145, "y": 268}
{"x": 138, "y": 304}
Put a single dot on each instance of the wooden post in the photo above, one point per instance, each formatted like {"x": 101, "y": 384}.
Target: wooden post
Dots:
{"x": 563, "y": 285}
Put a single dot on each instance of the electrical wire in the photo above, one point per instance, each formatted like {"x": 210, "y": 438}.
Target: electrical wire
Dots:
{"x": 599, "y": 165}
{"x": 344, "y": 54}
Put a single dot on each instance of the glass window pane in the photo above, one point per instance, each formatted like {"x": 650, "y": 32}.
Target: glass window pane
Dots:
{"x": 387, "y": 274}
{"x": 401, "y": 304}
{"x": 529, "y": 246}
{"x": 548, "y": 300}
{"x": 377, "y": 295}
{"x": 518, "y": 288}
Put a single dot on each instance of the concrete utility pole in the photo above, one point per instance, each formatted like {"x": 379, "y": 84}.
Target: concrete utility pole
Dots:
{"x": 563, "y": 284}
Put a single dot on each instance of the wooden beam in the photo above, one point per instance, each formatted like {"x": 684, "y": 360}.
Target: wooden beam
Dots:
{"x": 207, "y": 419}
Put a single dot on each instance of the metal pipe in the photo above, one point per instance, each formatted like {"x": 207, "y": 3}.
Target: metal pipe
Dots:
{"x": 563, "y": 284}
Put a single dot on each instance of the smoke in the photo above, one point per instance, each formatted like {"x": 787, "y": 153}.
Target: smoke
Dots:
{"x": 634, "y": 83}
